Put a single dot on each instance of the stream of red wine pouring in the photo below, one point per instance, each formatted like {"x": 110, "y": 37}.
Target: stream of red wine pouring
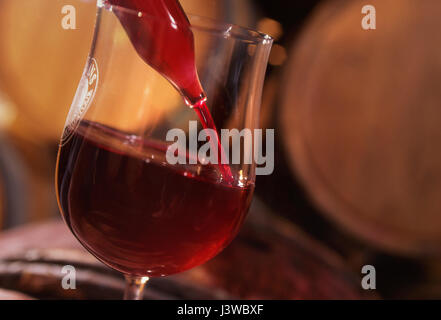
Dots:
{"x": 161, "y": 35}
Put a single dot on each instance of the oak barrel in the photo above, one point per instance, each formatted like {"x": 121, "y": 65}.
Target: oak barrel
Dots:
{"x": 361, "y": 121}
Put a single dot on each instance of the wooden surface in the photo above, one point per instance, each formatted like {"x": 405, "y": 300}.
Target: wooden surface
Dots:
{"x": 361, "y": 121}
{"x": 11, "y": 295}
{"x": 269, "y": 259}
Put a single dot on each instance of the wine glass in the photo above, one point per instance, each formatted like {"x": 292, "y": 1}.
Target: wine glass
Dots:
{"x": 117, "y": 190}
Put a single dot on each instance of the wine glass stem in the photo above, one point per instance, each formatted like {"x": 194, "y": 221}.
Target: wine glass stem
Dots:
{"x": 134, "y": 287}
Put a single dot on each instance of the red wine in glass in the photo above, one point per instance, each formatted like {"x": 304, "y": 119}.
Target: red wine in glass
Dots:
{"x": 162, "y": 36}
{"x": 138, "y": 214}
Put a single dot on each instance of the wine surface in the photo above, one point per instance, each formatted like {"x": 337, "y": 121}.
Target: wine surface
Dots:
{"x": 138, "y": 214}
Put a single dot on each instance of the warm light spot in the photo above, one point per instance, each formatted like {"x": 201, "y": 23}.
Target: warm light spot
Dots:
{"x": 227, "y": 33}
{"x": 241, "y": 179}
{"x": 270, "y": 27}
{"x": 8, "y": 113}
{"x": 278, "y": 55}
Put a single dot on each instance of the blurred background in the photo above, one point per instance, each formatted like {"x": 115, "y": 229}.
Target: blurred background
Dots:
{"x": 357, "y": 179}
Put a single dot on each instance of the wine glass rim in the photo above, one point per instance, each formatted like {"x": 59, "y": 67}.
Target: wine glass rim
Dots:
{"x": 207, "y": 24}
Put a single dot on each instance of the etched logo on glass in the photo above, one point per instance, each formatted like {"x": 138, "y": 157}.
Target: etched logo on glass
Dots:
{"x": 83, "y": 98}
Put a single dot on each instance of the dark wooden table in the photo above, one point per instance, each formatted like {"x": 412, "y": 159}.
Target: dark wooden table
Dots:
{"x": 270, "y": 259}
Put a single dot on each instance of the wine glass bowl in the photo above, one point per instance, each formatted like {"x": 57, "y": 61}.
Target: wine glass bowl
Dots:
{"x": 138, "y": 214}
{"x": 117, "y": 190}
